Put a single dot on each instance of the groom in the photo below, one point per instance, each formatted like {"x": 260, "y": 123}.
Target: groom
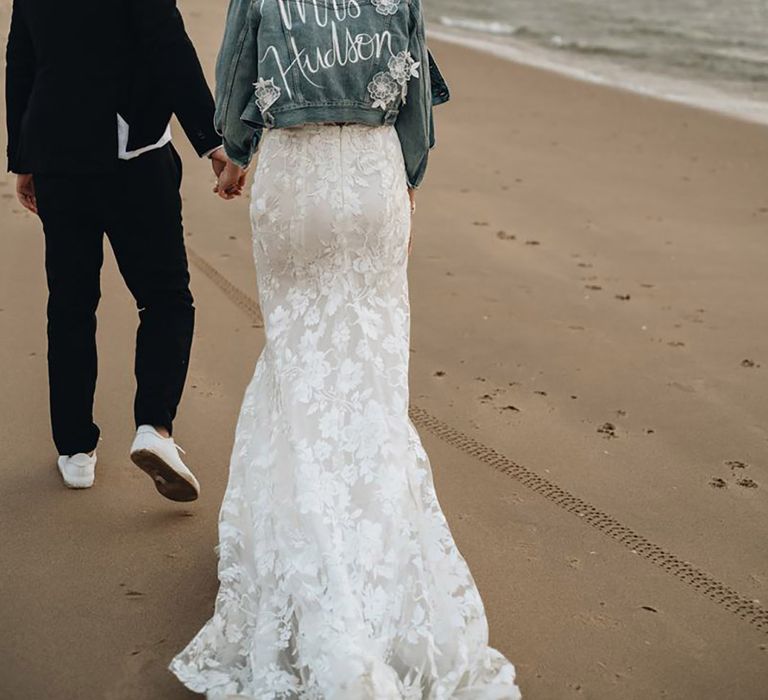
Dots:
{"x": 91, "y": 87}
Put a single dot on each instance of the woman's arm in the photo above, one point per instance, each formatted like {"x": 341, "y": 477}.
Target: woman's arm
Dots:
{"x": 236, "y": 73}
{"x": 414, "y": 122}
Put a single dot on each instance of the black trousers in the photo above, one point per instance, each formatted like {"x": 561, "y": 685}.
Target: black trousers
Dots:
{"x": 139, "y": 208}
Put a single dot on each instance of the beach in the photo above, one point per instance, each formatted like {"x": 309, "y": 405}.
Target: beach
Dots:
{"x": 589, "y": 376}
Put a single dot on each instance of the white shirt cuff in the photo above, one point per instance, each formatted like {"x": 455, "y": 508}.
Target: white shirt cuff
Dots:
{"x": 212, "y": 151}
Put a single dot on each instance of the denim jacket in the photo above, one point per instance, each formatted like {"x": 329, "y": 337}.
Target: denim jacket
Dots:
{"x": 289, "y": 62}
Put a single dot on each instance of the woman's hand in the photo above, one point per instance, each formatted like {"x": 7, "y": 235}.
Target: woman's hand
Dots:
{"x": 231, "y": 181}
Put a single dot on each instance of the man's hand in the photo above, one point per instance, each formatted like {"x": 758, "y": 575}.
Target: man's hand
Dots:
{"x": 25, "y": 191}
{"x": 219, "y": 160}
{"x": 231, "y": 181}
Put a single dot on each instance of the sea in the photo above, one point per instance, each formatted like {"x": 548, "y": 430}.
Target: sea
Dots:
{"x": 708, "y": 53}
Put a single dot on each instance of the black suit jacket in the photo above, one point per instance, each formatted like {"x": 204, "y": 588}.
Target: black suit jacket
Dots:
{"x": 72, "y": 66}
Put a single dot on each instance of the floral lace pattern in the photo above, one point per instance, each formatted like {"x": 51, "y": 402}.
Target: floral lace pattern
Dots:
{"x": 340, "y": 579}
{"x": 384, "y": 90}
{"x": 267, "y": 93}
{"x": 387, "y": 86}
{"x": 386, "y": 7}
{"x": 402, "y": 67}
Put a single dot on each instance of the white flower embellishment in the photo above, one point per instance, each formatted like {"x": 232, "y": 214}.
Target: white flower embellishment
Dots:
{"x": 403, "y": 67}
{"x": 387, "y": 86}
{"x": 267, "y": 93}
{"x": 384, "y": 90}
{"x": 386, "y": 7}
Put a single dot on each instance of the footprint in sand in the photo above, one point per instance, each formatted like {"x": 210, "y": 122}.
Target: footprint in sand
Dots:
{"x": 750, "y": 364}
{"x": 593, "y": 287}
{"x": 608, "y": 431}
{"x": 532, "y": 243}
{"x": 623, "y": 297}
{"x": 747, "y": 483}
{"x": 736, "y": 467}
{"x": 504, "y": 236}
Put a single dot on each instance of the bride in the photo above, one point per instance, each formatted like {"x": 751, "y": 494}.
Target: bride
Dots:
{"x": 340, "y": 579}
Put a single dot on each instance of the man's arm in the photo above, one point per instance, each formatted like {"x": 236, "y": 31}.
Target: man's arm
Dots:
{"x": 161, "y": 31}
{"x": 19, "y": 80}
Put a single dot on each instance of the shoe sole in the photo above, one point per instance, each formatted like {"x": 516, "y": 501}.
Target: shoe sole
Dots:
{"x": 168, "y": 482}
{"x": 77, "y": 485}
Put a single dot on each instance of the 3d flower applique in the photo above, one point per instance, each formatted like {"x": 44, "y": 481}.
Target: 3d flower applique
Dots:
{"x": 267, "y": 93}
{"x": 403, "y": 67}
{"x": 386, "y": 7}
{"x": 384, "y": 90}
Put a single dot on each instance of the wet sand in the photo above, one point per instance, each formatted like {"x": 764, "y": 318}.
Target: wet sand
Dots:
{"x": 588, "y": 286}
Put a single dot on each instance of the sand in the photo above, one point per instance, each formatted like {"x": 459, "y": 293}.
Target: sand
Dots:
{"x": 588, "y": 286}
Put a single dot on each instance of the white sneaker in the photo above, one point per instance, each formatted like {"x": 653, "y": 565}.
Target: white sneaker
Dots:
{"x": 158, "y": 456}
{"x": 78, "y": 471}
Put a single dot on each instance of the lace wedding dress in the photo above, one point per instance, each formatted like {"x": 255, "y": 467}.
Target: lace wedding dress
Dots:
{"x": 340, "y": 579}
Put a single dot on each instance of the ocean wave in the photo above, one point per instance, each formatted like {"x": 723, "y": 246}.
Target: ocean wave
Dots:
{"x": 602, "y": 70}
{"x": 480, "y": 25}
{"x": 587, "y": 49}
{"x": 744, "y": 55}
{"x": 675, "y": 45}
{"x": 502, "y": 29}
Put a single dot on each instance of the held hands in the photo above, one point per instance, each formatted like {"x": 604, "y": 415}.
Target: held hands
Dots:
{"x": 231, "y": 181}
{"x": 231, "y": 177}
{"x": 25, "y": 192}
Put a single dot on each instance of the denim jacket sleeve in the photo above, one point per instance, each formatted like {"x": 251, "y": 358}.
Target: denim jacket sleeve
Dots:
{"x": 414, "y": 124}
{"x": 236, "y": 72}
